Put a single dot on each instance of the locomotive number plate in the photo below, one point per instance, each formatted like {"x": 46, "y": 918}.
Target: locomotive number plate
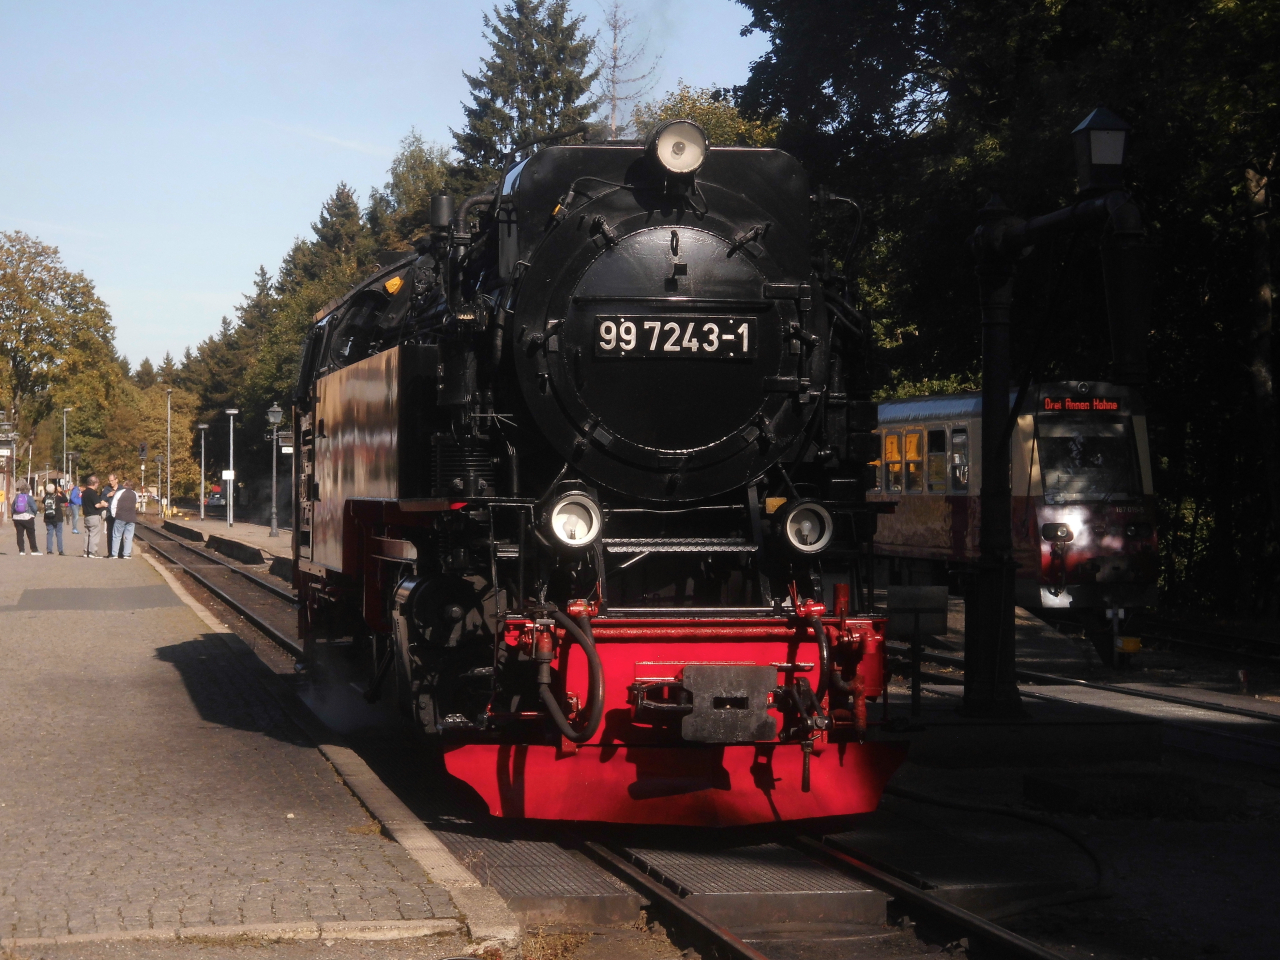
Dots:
{"x": 686, "y": 337}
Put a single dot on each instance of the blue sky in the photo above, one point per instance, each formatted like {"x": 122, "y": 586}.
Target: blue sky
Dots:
{"x": 168, "y": 149}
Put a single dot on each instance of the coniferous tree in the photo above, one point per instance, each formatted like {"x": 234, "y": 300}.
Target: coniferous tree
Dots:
{"x": 145, "y": 375}
{"x": 167, "y": 371}
{"x": 626, "y": 73}
{"x": 537, "y": 81}
{"x": 401, "y": 210}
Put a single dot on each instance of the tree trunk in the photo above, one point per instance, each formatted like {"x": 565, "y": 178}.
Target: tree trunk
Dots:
{"x": 1259, "y": 346}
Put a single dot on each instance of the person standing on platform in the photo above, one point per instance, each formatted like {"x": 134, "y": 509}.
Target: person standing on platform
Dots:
{"x": 53, "y": 503}
{"x": 73, "y": 499}
{"x": 93, "y": 507}
{"x": 108, "y": 492}
{"x": 124, "y": 511}
{"x": 23, "y": 510}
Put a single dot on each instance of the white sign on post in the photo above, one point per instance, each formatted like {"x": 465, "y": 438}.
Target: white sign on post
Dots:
{"x": 228, "y": 474}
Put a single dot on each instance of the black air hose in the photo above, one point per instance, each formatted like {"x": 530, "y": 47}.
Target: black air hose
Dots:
{"x": 580, "y": 633}
{"x": 824, "y": 655}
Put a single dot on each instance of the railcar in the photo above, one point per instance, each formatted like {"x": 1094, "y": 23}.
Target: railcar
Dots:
{"x": 1084, "y": 533}
{"x": 582, "y": 480}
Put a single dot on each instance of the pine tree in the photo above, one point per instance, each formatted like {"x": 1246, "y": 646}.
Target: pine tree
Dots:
{"x": 624, "y": 78}
{"x": 167, "y": 371}
{"x": 145, "y": 375}
{"x": 537, "y": 81}
{"x": 402, "y": 209}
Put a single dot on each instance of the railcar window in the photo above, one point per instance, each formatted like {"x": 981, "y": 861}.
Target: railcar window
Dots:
{"x": 959, "y": 459}
{"x": 1086, "y": 460}
{"x": 915, "y": 462}
{"x": 936, "y": 477}
{"x": 893, "y": 462}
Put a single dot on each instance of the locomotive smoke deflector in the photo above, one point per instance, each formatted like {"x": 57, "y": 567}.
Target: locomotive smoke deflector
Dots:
{"x": 678, "y": 147}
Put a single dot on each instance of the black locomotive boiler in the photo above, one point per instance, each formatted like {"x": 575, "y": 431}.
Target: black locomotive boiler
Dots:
{"x": 583, "y": 479}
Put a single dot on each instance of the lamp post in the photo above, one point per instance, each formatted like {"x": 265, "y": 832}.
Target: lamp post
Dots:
{"x": 168, "y": 452}
{"x": 202, "y": 427}
{"x": 230, "y": 476}
{"x": 990, "y": 666}
{"x": 274, "y": 414}
{"x": 8, "y": 453}
{"x": 142, "y": 496}
{"x": 65, "y": 411}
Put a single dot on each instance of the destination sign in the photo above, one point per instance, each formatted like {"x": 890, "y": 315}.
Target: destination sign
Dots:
{"x": 1090, "y": 405}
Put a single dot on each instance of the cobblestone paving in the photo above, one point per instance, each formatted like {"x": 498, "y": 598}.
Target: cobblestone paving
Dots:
{"x": 147, "y": 779}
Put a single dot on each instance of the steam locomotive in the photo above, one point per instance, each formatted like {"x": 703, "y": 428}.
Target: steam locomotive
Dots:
{"x": 582, "y": 481}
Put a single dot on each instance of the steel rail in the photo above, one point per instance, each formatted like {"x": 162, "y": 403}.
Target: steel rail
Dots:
{"x": 270, "y": 587}
{"x": 1048, "y": 679}
{"x": 995, "y": 938}
{"x": 631, "y": 874}
{"x": 1217, "y": 651}
{"x": 288, "y": 643}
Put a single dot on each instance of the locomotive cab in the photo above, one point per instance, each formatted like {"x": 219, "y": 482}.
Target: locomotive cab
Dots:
{"x": 584, "y": 476}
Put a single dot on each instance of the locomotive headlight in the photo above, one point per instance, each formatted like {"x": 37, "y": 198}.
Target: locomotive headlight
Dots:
{"x": 807, "y": 527}
{"x": 1057, "y": 532}
{"x": 679, "y": 146}
{"x": 575, "y": 520}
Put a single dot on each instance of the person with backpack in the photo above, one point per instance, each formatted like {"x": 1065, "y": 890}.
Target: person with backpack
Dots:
{"x": 23, "y": 510}
{"x": 53, "y": 503}
{"x": 74, "y": 500}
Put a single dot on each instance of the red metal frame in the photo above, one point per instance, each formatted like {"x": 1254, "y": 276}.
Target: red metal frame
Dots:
{"x": 633, "y": 773}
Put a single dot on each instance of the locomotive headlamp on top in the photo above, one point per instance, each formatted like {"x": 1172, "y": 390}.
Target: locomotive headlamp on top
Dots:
{"x": 806, "y": 526}
{"x": 678, "y": 146}
{"x": 574, "y": 521}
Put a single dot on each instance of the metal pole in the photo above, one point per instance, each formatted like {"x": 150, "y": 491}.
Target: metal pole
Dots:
{"x": 990, "y": 681}
{"x": 275, "y": 433}
{"x": 202, "y": 473}
{"x": 168, "y": 453}
{"x": 915, "y": 667}
{"x": 143, "y": 498}
{"x": 64, "y": 446}
{"x": 231, "y": 468}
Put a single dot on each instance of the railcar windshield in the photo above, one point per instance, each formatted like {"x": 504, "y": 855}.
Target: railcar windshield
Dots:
{"x": 1086, "y": 460}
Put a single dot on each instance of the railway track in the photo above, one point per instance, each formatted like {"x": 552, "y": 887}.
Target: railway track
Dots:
{"x": 271, "y": 608}
{"x": 1215, "y": 644}
{"x": 902, "y": 654}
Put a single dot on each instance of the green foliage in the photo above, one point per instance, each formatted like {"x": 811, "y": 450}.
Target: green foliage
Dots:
{"x": 537, "y": 80}
{"x": 56, "y": 347}
{"x": 714, "y": 110}
{"x": 401, "y": 210}
{"x": 921, "y": 110}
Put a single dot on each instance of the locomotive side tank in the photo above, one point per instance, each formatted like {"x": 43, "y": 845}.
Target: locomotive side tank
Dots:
{"x": 1083, "y": 518}
{"x": 582, "y": 481}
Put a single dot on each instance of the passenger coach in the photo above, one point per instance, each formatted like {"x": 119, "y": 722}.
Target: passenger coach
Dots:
{"x": 1084, "y": 535}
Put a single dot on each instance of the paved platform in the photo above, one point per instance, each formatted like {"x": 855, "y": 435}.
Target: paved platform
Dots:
{"x": 152, "y": 783}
